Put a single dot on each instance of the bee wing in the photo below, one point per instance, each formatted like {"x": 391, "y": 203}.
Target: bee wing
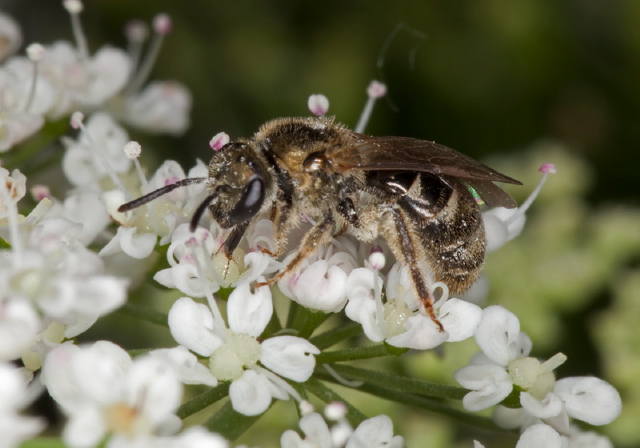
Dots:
{"x": 370, "y": 153}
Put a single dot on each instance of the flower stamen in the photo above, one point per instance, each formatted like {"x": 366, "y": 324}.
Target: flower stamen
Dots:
{"x": 161, "y": 27}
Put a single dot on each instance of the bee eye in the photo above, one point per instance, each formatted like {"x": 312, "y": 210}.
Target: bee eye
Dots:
{"x": 250, "y": 202}
{"x": 223, "y": 189}
{"x": 240, "y": 159}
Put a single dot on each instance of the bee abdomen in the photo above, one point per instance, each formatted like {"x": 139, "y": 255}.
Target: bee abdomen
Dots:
{"x": 455, "y": 242}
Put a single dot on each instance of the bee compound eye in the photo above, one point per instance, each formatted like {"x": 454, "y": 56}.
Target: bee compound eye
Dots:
{"x": 250, "y": 202}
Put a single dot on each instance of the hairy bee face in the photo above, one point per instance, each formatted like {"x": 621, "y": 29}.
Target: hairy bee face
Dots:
{"x": 237, "y": 184}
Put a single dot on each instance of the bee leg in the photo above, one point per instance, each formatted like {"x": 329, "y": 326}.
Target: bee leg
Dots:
{"x": 234, "y": 239}
{"x": 283, "y": 220}
{"x": 401, "y": 241}
{"x": 319, "y": 235}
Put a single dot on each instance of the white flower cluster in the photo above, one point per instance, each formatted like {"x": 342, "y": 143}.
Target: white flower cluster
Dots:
{"x": 545, "y": 406}
{"x": 53, "y": 287}
{"x": 52, "y": 81}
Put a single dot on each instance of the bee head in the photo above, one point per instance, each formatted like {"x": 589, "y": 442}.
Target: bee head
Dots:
{"x": 236, "y": 185}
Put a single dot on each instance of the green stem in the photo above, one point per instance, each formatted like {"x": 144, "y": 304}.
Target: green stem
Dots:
{"x": 305, "y": 320}
{"x": 293, "y": 311}
{"x": 428, "y": 404}
{"x": 353, "y": 354}
{"x": 4, "y": 244}
{"x": 274, "y": 326}
{"x": 203, "y": 400}
{"x": 328, "y": 395}
{"x": 43, "y": 442}
{"x": 148, "y": 315}
{"x": 229, "y": 423}
{"x": 399, "y": 383}
{"x": 335, "y": 335}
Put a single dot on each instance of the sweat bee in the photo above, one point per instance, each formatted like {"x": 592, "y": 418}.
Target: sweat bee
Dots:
{"x": 418, "y": 195}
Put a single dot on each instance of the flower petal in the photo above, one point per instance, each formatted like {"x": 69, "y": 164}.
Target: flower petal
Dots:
{"x": 191, "y": 325}
{"x": 249, "y": 312}
{"x": 250, "y": 394}
{"x": 541, "y": 435}
{"x": 498, "y": 335}
{"x": 490, "y": 384}
{"x": 290, "y": 357}
{"x": 589, "y": 399}
{"x": 551, "y": 406}
{"x": 376, "y": 432}
{"x": 460, "y": 319}
{"x": 190, "y": 371}
{"x": 422, "y": 334}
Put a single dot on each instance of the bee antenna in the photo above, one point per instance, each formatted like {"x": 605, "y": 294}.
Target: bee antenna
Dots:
{"x": 201, "y": 208}
{"x": 159, "y": 192}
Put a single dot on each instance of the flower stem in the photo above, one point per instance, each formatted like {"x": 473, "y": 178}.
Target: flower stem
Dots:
{"x": 398, "y": 383}
{"x": 335, "y": 335}
{"x": 355, "y": 353}
{"x": 304, "y": 320}
{"x": 44, "y": 442}
{"x": 148, "y": 315}
{"x": 432, "y": 405}
{"x": 229, "y": 423}
{"x": 203, "y": 400}
{"x": 328, "y": 395}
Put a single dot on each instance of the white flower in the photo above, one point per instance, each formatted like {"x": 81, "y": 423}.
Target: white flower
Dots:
{"x": 83, "y": 84}
{"x": 14, "y": 396}
{"x": 541, "y": 435}
{"x": 398, "y": 321}
{"x": 376, "y": 432}
{"x": 80, "y": 164}
{"x": 320, "y": 281}
{"x": 235, "y": 353}
{"x": 19, "y": 324}
{"x": 503, "y": 363}
{"x": 162, "y": 107}
{"x": 503, "y": 224}
{"x": 10, "y": 36}
{"x": 84, "y": 207}
{"x": 50, "y": 276}
{"x": 105, "y": 393}
{"x": 16, "y": 187}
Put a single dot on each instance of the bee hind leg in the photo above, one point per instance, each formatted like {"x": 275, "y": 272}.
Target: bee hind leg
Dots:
{"x": 320, "y": 234}
{"x": 401, "y": 241}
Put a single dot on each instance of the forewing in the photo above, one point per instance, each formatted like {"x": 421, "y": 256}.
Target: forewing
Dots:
{"x": 407, "y": 154}
{"x": 402, "y": 153}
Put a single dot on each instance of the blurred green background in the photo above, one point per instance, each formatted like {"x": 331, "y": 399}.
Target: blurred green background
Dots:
{"x": 490, "y": 77}
{"x": 518, "y": 83}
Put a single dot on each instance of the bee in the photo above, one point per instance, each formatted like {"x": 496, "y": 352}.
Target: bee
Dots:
{"x": 418, "y": 195}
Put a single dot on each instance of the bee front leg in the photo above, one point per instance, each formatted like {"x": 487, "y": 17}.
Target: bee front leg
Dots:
{"x": 320, "y": 234}
{"x": 282, "y": 218}
{"x": 231, "y": 243}
{"x": 234, "y": 239}
{"x": 406, "y": 247}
